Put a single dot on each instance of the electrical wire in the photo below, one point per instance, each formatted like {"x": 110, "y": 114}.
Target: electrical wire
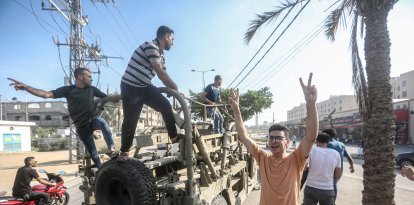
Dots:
{"x": 31, "y": 6}
{"x": 123, "y": 19}
{"x": 61, "y": 64}
{"x": 113, "y": 69}
{"x": 110, "y": 26}
{"x": 117, "y": 23}
{"x": 288, "y": 57}
{"x": 51, "y": 15}
{"x": 37, "y": 18}
{"x": 293, "y": 51}
{"x": 257, "y": 52}
{"x": 300, "y": 11}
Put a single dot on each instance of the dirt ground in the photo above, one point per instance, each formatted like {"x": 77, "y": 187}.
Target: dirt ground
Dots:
{"x": 50, "y": 161}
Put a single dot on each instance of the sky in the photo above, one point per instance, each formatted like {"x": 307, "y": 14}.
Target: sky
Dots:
{"x": 208, "y": 35}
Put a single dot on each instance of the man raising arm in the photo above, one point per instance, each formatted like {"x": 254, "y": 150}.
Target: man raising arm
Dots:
{"x": 280, "y": 172}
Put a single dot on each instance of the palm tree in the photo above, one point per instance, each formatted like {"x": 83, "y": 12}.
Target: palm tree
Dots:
{"x": 373, "y": 93}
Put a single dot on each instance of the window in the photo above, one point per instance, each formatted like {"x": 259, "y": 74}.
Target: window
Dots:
{"x": 398, "y": 97}
{"x": 404, "y": 93}
{"x": 33, "y": 105}
{"x": 404, "y": 83}
{"x": 65, "y": 117}
{"x": 65, "y": 105}
{"x": 340, "y": 108}
{"x": 398, "y": 88}
{"x": 18, "y": 118}
{"x": 48, "y": 105}
{"x": 34, "y": 118}
{"x": 48, "y": 117}
{"x": 17, "y": 106}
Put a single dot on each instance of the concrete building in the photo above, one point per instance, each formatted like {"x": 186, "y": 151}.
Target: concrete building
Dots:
{"x": 15, "y": 136}
{"x": 403, "y": 86}
{"x": 44, "y": 113}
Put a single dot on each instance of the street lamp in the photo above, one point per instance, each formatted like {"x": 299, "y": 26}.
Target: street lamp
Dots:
{"x": 203, "y": 71}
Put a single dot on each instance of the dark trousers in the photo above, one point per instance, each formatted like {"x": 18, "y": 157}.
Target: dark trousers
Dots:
{"x": 85, "y": 134}
{"x": 41, "y": 197}
{"x": 311, "y": 196}
{"x": 133, "y": 98}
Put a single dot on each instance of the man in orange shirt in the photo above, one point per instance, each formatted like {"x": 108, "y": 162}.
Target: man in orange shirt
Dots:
{"x": 281, "y": 172}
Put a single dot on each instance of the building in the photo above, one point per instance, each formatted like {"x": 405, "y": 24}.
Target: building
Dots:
{"x": 347, "y": 120}
{"x": 44, "y": 114}
{"x": 15, "y": 136}
{"x": 403, "y": 86}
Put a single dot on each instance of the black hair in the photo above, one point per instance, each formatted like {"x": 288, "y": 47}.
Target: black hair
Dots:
{"x": 162, "y": 31}
{"x": 331, "y": 132}
{"x": 217, "y": 77}
{"x": 79, "y": 71}
{"x": 278, "y": 127}
{"x": 27, "y": 160}
{"x": 323, "y": 138}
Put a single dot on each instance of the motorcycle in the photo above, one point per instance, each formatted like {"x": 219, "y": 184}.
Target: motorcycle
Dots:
{"x": 58, "y": 194}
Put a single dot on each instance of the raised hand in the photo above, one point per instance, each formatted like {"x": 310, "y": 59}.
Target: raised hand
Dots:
{"x": 234, "y": 99}
{"x": 309, "y": 90}
{"x": 17, "y": 84}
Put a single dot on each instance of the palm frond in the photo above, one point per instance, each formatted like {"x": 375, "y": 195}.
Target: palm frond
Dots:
{"x": 269, "y": 16}
{"x": 337, "y": 18}
{"x": 358, "y": 75}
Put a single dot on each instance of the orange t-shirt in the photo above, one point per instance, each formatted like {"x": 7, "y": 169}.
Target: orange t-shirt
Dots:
{"x": 280, "y": 178}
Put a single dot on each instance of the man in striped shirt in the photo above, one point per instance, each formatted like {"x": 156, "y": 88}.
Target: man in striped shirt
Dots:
{"x": 137, "y": 89}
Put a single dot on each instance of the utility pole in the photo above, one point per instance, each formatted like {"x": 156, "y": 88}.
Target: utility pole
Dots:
{"x": 80, "y": 52}
{"x": 203, "y": 71}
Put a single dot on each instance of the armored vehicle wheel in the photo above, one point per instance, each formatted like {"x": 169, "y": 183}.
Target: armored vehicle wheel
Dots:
{"x": 219, "y": 200}
{"x": 125, "y": 183}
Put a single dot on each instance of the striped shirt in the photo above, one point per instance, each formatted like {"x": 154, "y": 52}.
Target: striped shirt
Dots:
{"x": 139, "y": 71}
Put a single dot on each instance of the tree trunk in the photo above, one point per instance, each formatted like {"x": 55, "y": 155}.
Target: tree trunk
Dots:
{"x": 379, "y": 126}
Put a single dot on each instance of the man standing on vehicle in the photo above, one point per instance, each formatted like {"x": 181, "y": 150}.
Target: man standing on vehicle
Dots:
{"x": 211, "y": 95}
{"x": 24, "y": 175}
{"x": 82, "y": 108}
{"x": 280, "y": 172}
{"x": 137, "y": 89}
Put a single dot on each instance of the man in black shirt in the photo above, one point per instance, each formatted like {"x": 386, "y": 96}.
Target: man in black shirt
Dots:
{"x": 82, "y": 108}
{"x": 24, "y": 176}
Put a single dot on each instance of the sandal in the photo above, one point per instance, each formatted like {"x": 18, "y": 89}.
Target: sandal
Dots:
{"x": 123, "y": 156}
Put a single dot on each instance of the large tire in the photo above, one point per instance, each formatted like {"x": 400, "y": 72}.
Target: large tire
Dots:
{"x": 125, "y": 183}
{"x": 219, "y": 200}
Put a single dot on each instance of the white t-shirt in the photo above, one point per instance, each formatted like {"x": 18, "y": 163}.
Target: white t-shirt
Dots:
{"x": 322, "y": 164}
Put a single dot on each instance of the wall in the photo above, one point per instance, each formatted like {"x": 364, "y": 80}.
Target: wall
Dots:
{"x": 15, "y": 136}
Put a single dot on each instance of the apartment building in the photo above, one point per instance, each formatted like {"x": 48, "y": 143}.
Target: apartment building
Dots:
{"x": 403, "y": 86}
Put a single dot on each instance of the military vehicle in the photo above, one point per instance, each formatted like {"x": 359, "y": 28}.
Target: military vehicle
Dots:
{"x": 208, "y": 169}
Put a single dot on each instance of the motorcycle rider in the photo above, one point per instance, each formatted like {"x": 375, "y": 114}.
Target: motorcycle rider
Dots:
{"x": 24, "y": 176}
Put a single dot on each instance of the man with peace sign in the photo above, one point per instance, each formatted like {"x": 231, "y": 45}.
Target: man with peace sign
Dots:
{"x": 281, "y": 172}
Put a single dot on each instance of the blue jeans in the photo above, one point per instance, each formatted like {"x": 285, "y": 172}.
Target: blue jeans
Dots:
{"x": 312, "y": 196}
{"x": 85, "y": 134}
{"x": 218, "y": 119}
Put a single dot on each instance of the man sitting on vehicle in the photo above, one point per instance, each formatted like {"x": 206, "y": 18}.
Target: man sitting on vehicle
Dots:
{"x": 24, "y": 175}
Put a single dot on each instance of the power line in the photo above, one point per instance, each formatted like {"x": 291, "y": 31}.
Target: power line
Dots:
{"x": 116, "y": 21}
{"x": 261, "y": 47}
{"x": 51, "y": 15}
{"x": 290, "y": 55}
{"x": 110, "y": 26}
{"x": 123, "y": 19}
{"x": 274, "y": 42}
{"x": 38, "y": 18}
